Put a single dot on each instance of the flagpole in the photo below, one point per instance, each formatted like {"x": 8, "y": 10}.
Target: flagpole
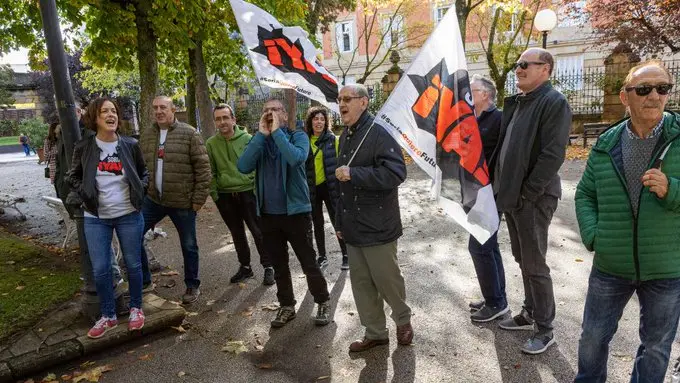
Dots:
{"x": 360, "y": 143}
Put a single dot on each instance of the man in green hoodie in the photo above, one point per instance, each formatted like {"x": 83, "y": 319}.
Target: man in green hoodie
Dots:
{"x": 233, "y": 193}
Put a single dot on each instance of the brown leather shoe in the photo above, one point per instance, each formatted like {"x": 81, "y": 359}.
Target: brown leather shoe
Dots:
{"x": 405, "y": 334}
{"x": 365, "y": 344}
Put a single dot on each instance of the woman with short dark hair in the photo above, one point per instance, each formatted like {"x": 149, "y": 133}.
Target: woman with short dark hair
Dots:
{"x": 109, "y": 177}
{"x": 321, "y": 165}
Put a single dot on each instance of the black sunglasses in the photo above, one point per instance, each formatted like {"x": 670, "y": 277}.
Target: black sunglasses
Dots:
{"x": 525, "y": 64}
{"x": 643, "y": 90}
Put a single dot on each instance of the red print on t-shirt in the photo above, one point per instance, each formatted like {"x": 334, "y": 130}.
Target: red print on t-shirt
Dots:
{"x": 161, "y": 151}
{"x": 111, "y": 164}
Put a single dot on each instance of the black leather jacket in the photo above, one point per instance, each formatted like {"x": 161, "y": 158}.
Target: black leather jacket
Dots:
{"x": 83, "y": 171}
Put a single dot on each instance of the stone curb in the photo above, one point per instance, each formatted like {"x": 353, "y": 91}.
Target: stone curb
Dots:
{"x": 160, "y": 315}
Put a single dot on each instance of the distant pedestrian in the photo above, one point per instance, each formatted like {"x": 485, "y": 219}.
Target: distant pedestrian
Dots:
{"x": 233, "y": 192}
{"x": 109, "y": 176}
{"x": 51, "y": 149}
{"x": 179, "y": 170}
{"x": 487, "y": 257}
{"x": 277, "y": 154}
{"x": 531, "y": 149}
{"x": 368, "y": 219}
{"x": 323, "y": 186}
{"x": 25, "y": 144}
{"x": 628, "y": 211}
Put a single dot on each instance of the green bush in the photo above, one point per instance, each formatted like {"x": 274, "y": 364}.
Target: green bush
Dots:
{"x": 9, "y": 128}
{"x": 35, "y": 129}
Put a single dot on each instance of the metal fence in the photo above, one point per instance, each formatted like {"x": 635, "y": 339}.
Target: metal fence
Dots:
{"x": 584, "y": 88}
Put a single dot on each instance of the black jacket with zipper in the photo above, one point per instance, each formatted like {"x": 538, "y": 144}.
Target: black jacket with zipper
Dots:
{"x": 537, "y": 147}
{"x": 82, "y": 175}
{"x": 368, "y": 205}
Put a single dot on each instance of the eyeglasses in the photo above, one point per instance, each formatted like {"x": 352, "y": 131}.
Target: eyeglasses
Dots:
{"x": 525, "y": 64}
{"x": 347, "y": 99}
{"x": 643, "y": 90}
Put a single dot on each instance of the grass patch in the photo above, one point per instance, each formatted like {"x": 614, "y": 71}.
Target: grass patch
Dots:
{"x": 6, "y": 141}
{"x": 32, "y": 281}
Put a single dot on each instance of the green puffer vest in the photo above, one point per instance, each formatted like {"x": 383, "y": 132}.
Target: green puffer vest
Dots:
{"x": 639, "y": 249}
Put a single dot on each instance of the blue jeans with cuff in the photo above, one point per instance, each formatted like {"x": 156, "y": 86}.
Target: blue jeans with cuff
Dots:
{"x": 99, "y": 232}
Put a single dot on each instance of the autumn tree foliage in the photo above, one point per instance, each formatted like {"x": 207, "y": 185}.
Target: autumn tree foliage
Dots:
{"x": 648, "y": 27}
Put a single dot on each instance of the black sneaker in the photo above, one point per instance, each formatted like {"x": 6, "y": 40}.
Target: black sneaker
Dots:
{"x": 520, "y": 322}
{"x": 268, "y": 276}
{"x": 323, "y": 314}
{"x": 345, "y": 263}
{"x": 283, "y": 316}
{"x": 322, "y": 261}
{"x": 487, "y": 313}
{"x": 191, "y": 295}
{"x": 242, "y": 274}
{"x": 476, "y": 305}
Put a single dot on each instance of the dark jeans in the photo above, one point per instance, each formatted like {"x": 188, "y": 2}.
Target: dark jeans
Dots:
{"x": 528, "y": 229}
{"x": 237, "y": 209}
{"x": 185, "y": 223}
{"x": 278, "y": 230}
{"x": 27, "y": 149}
{"x": 659, "y": 312}
{"x": 322, "y": 196}
{"x": 99, "y": 233}
{"x": 489, "y": 268}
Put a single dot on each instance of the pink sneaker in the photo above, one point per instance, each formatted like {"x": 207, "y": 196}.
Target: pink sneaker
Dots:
{"x": 136, "y": 321}
{"x": 100, "y": 328}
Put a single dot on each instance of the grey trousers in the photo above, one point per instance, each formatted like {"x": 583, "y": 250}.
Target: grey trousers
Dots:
{"x": 528, "y": 227}
{"x": 375, "y": 276}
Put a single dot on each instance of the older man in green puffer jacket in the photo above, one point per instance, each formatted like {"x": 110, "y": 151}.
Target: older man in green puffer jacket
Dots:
{"x": 628, "y": 210}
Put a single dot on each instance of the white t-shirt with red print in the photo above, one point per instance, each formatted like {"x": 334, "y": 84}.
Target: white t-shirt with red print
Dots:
{"x": 112, "y": 184}
{"x": 158, "y": 178}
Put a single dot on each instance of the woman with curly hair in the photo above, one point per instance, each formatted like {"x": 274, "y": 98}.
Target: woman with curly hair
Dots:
{"x": 321, "y": 165}
{"x": 109, "y": 178}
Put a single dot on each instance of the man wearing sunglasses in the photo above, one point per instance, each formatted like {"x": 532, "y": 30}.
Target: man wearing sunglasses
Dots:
{"x": 628, "y": 211}
{"x": 531, "y": 148}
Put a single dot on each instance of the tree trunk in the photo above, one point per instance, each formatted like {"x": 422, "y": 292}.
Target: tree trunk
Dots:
{"x": 203, "y": 101}
{"x": 191, "y": 98}
{"x": 148, "y": 63}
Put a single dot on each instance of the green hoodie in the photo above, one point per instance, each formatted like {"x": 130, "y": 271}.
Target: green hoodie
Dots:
{"x": 224, "y": 155}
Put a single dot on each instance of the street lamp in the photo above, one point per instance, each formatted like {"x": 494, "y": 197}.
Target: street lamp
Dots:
{"x": 545, "y": 21}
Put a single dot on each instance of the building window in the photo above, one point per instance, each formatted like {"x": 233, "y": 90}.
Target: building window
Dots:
{"x": 393, "y": 30}
{"x": 568, "y": 72}
{"x": 439, "y": 13}
{"x": 344, "y": 36}
{"x": 572, "y": 15}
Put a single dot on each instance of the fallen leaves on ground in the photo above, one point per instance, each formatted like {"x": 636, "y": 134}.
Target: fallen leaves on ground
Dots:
{"x": 221, "y": 311}
{"x": 169, "y": 273}
{"x": 210, "y": 302}
{"x": 575, "y": 152}
{"x": 179, "y": 329}
{"x": 241, "y": 285}
{"x": 146, "y": 357}
{"x": 19, "y": 288}
{"x": 192, "y": 313}
{"x": 66, "y": 377}
{"x": 271, "y": 307}
{"x": 181, "y": 374}
{"x": 235, "y": 346}
{"x": 87, "y": 364}
{"x": 49, "y": 378}
{"x": 169, "y": 284}
{"x": 265, "y": 366}
{"x": 93, "y": 374}
{"x": 578, "y": 260}
{"x": 323, "y": 377}
{"x": 248, "y": 312}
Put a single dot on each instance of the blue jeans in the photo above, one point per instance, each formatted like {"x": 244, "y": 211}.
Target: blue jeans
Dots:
{"x": 659, "y": 313}
{"x": 27, "y": 149}
{"x": 99, "y": 233}
{"x": 185, "y": 223}
{"x": 489, "y": 268}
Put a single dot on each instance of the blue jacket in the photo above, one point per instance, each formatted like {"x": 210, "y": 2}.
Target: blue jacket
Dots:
{"x": 294, "y": 148}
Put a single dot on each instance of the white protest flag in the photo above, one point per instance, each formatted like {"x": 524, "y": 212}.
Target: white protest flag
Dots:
{"x": 283, "y": 57}
{"x": 431, "y": 114}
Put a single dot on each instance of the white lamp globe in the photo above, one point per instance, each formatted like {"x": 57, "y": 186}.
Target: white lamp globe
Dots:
{"x": 545, "y": 20}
